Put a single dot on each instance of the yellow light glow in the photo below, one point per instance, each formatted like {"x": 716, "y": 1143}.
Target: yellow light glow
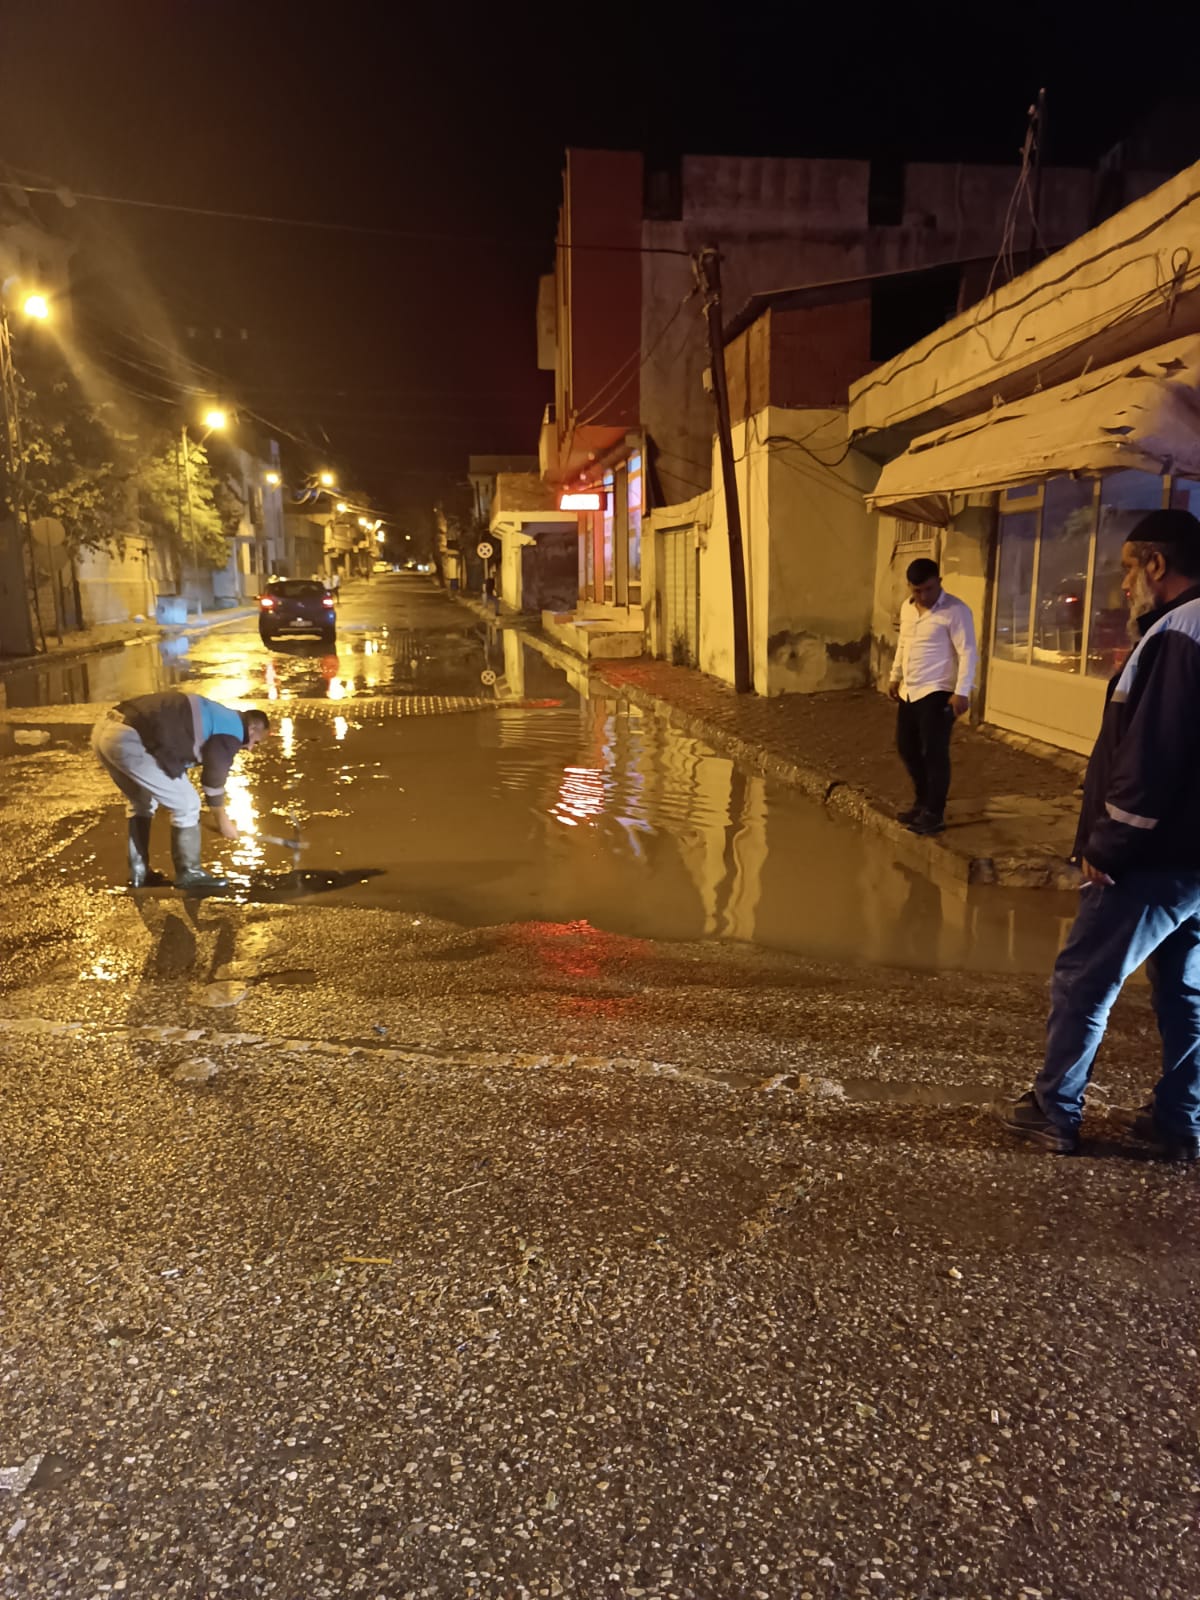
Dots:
{"x": 326, "y": 480}
{"x": 36, "y": 306}
{"x": 337, "y": 689}
{"x": 381, "y": 536}
{"x": 273, "y": 479}
{"x": 287, "y": 736}
{"x": 215, "y": 418}
{"x": 342, "y": 506}
{"x": 340, "y": 728}
{"x": 363, "y": 523}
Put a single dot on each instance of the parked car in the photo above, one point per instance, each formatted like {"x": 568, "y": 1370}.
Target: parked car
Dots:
{"x": 296, "y": 605}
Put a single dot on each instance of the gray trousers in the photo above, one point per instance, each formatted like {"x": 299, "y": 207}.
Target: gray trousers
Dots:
{"x": 120, "y": 751}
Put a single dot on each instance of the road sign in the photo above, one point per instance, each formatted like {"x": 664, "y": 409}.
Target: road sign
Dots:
{"x": 484, "y": 551}
{"x": 487, "y": 676}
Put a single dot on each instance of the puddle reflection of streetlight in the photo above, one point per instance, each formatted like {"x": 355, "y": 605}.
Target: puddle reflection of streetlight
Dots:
{"x": 580, "y": 796}
{"x": 248, "y": 852}
{"x": 340, "y": 728}
{"x": 287, "y": 736}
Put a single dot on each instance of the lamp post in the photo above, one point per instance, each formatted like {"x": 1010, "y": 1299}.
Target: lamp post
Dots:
{"x": 36, "y": 307}
{"x": 214, "y": 419}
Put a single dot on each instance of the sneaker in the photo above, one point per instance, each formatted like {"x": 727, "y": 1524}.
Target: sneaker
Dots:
{"x": 909, "y": 816}
{"x": 926, "y": 823}
{"x": 1028, "y": 1121}
{"x": 1144, "y": 1126}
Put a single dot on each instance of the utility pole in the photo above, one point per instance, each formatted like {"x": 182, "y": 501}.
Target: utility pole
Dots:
{"x": 14, "y": 461}
{"x": 708, "y": 273}
{"x": 1036, "y": 137}
{"x": 187, "y": 495}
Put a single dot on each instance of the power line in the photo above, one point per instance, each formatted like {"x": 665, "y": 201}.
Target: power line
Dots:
{"x": 69, "y": 196}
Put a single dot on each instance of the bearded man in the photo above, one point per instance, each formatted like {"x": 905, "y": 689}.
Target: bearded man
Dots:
{"x": 1138, "y": 849}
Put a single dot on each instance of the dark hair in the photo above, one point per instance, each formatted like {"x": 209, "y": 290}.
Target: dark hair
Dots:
{"x": 921, "y": 570}
{"x": 1174, "y": 535}
{"x": 256, "y": 719}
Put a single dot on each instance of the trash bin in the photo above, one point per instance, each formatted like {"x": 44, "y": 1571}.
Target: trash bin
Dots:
{"x": 170, "y": 610}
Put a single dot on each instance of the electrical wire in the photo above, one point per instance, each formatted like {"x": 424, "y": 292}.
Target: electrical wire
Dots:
{"x": 368, "y": 229}
{"x": 582, "y": 419}
{"x": 888, "y": 372}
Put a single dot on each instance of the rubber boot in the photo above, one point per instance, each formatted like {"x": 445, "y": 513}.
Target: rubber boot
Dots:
{"x": 190, "y": 876}
{"x": 140, "y": 875}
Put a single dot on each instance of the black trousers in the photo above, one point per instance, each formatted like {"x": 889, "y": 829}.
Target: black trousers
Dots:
{"x": 923, "y": 729}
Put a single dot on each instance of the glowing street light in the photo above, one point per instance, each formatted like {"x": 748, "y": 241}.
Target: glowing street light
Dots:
{"x": 215, "y": 418}
{"x": 36, "y": 306}
{"x": 342, "y": 506}
{"x": 363, "y": 523}
{"x": 326, "y": 480}
{"x": 273, "y": 479}
{"x": 381, "y": 536}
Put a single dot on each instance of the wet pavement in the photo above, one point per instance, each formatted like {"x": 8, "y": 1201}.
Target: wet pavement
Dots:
{"x": 568, "y": 1175}
{"x": 536, "y": 800}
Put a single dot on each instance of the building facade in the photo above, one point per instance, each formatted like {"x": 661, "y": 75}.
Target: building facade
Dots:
{"x": 1020, "y": 442}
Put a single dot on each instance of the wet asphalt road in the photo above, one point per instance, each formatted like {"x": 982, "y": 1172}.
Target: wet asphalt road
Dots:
{"x": 355, "y": 1247}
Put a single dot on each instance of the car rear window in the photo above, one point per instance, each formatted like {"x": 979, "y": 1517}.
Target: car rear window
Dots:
{"x": 297, "y": 589}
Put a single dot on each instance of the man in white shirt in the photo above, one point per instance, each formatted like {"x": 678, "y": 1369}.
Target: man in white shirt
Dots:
{"x": 932, "y": 678}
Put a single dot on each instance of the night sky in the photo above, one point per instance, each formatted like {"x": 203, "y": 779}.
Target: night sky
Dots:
{"x": 395, "y": 356}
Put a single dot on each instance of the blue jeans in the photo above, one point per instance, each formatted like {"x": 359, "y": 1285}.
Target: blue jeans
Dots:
{"x": 1147, "y": 916}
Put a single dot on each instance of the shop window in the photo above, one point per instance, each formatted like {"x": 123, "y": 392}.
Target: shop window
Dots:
{"x": 1014, "y": 585}
{"x": 607, "y": 515}
{"x": 1125, "y": 498}
{"x": 634, "y": 491}
{"x": 1068, "y": 517}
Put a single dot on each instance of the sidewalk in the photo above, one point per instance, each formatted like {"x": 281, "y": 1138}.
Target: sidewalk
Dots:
{"x": 1011, "y": 818}
{"x": 115, "y": 635}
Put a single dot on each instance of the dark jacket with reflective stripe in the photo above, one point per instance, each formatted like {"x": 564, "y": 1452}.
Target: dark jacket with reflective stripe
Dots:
{"x": 1141, "y": 797}
{"x": 169, "y": 725}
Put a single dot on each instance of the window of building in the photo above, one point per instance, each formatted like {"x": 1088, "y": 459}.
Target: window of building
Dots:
{"x": 607, "y": 515}
{"x": 634, "y": 501}
{"x": 1059, "y": 597}
{"x": 1068, "y": 516}
{"x": 1014, "y": 584}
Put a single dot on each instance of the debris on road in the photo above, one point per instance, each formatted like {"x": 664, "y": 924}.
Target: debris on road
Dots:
{"x": 15, "y": 1480}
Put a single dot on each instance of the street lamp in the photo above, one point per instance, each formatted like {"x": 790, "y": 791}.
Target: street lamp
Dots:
{"x": 326, "y": 480}
{"x": 381, "y": 536}
{"x": 342, "y": 506}
{"x": 273, "y": 479}
{"x": 214, "y": 419}
{"x": 37, "y": 308}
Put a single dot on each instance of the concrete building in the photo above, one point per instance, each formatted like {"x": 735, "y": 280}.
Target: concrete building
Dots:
{"x": 536, "y": 543}
{"x": 808, "y": 540}
{"x": 1022, "y": 440}
{"x": 619, "y": 320}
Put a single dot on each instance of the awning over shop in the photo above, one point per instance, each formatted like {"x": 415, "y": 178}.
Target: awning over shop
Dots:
{"x": 1142, "y": 413}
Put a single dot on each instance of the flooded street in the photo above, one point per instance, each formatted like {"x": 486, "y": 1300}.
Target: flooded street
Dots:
{"x": 413, "y": 784}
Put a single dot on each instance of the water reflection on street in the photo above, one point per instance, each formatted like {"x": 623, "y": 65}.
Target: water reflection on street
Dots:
{"x": 590, "y": 813}
{"x": 551, "y": 805}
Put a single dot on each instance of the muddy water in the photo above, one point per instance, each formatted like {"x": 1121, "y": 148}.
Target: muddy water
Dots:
{"x": 591, "y": 812}
{"x": 576, "y": 809}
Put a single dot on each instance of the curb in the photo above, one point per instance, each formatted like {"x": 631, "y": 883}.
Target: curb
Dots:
{"x": 68, "y": 652}
{"x": 931, "y": 855}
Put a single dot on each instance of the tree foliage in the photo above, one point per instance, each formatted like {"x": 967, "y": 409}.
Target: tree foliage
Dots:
{"x": 80, "y": 464}
{"x": 187, "y": 501}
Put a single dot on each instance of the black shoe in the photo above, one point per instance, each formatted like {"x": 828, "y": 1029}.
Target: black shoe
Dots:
{"x": 926, "y": 823}
{"x": 1144, "y": 1126}
{"x": 910, "y": 815}
{"x": 1028, "y": 1121}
